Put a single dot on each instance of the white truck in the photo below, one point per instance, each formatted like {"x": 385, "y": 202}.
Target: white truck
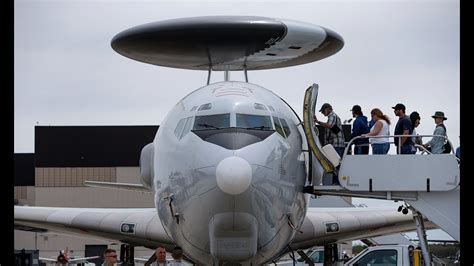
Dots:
{"x": 386, "y": 255}
{"x": 396, "y": 255}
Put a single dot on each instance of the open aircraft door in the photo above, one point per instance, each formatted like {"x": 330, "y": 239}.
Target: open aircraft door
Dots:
{"x": 311, "y": 132}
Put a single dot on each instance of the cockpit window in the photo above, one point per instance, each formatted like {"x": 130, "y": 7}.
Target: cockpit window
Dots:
{"x": 203, "y": 122}
{"x": 286, "y": 128}
{"x": 281, "y": 126}
{"x": 278, "y": 126}
{"x": 179, "y": 127}
{"x": 206, "y": 106}
{"x": 183, "y": 127}
{"x": 187, "y": 127}
{"x": 259, "y": 106}
{"x": 262, "y": 122}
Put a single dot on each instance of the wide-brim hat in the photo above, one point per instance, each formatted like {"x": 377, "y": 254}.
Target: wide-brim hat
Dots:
{"x": 439, "y": 114}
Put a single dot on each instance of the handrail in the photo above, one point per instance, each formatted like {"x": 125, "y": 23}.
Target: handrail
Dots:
{"x": 395, "y": 136}
{"x": 422, "y": 148}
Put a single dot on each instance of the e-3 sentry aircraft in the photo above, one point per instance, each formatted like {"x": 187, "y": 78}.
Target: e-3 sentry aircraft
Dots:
{"x": 229, "y": 162}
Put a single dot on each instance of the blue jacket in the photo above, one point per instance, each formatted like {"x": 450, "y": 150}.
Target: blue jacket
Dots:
{"x": 360, "y": 126}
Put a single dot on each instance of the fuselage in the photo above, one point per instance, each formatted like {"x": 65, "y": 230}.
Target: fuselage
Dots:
{"x": 229, "y": 173}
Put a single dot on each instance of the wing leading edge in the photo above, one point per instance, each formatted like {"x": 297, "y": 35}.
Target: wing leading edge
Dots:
{"x": 330, "y": 225}
{"x": 137, "y": 226}
{"x": 142, "y": 226}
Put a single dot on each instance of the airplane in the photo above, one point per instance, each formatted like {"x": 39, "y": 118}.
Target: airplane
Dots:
{"x": 75, "y": 261}
{"x": 64, "y": 259}
{"x": 229, "y": 163}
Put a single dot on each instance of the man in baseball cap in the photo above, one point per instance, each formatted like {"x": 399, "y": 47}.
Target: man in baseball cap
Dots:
{"x": 399, "y": 106}
{"x": 333, "y": 133}
{"x": 326, "y": 105}
{"x": 332, "y": 129}
{"x": 359, "y": 127}
{"x": 403, "y": 127}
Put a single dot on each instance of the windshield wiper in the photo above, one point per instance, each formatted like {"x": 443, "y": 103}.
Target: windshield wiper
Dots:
{"x": 260, "y": 127}
{"x": 208, "y": 126}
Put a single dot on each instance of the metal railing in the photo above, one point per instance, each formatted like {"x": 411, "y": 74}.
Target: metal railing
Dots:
{"x": 349, "y": 144}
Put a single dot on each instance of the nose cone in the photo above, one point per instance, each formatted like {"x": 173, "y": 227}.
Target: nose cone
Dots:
{"x": 233, "y": 175}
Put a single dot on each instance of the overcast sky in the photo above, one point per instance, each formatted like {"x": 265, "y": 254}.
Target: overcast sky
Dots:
{"x": 66, "y": 72}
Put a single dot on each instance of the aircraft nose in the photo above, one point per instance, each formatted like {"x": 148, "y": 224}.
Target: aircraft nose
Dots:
{"x": 233, "y": 175}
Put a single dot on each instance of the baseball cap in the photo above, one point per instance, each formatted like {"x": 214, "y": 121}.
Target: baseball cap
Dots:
{"x": 399, "y": 106}
{"x": 356, "y": 108}
{"x": 326, "y": 105}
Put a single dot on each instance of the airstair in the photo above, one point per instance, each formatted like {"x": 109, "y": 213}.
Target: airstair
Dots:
{"x": 428, "y": 183}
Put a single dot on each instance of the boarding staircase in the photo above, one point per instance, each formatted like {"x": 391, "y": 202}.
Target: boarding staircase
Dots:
{"x": 428, "y": 183}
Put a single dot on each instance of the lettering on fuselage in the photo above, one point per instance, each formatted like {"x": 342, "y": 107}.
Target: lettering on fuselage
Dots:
{"x": 233, "y": 91}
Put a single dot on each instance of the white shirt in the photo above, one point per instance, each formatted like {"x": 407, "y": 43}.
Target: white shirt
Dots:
{"x": 385, "y": 131}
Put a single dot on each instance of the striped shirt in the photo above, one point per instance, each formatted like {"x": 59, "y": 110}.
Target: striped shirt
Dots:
{"x": 337, "y": 140}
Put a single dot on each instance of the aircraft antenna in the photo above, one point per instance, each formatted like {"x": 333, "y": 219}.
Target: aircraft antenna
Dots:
{"x": 245, "y": 71}
{"x": 226, "y": 75}
{"x": 209, "y": 75}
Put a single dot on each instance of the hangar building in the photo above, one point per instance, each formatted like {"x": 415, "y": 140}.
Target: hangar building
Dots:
{"x": 66, "y": 156}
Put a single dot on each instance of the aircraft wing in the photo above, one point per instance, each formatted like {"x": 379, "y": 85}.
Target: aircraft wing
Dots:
{"x": 83, "y": 260}
{"x": 70, "y": 261}
{"x": 115, "y": 185}
{"x": 47, "y": 260}
{"x": 329, "y": 225}
{"x": 142, "y": 227}
{"x": 136, "y": 226}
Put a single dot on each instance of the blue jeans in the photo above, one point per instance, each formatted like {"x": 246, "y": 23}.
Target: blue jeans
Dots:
{"x": 361, "y": 149}
{"x": 407, "y": 149}
{"x": 380, "y": 148}
{"x": 340, "y": 151}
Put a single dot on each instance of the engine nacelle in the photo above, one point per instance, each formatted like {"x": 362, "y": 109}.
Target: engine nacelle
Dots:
{"x": 146, "y": 165}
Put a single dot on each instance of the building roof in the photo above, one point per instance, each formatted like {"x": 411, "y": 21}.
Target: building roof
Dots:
{"x": 91, "y": 146}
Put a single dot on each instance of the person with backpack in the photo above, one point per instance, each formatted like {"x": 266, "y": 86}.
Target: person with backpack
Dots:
{"x": 332, "y": 129}
{"x": 437, "y": 144}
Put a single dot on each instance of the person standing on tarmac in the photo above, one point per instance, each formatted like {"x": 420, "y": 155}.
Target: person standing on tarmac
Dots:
{"x": 177, "y": 255}
{"x": 110, "y": 257}
{"x": 160, "y": 254}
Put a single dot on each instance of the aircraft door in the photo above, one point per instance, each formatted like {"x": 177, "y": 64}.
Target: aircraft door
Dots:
{"x": 311, "y": 133}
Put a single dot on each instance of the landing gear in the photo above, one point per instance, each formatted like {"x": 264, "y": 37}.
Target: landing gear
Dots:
{"x": 305, "y": 258}
{"x": 127, "y": 254}
{"x": 330, "y": 254}
{"x": 420, "y": 230}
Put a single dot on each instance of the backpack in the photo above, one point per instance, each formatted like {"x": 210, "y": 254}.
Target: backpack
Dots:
{"x": 447, "y": 145}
